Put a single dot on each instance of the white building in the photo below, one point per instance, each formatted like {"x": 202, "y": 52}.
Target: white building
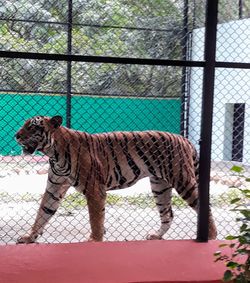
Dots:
{"x": 231, "y": 118}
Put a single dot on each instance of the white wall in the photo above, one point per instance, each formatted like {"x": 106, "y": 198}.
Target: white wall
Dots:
{"x": 231, "y": 86}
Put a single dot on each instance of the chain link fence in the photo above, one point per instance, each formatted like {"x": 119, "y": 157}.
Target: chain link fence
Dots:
{"x": 99, "y": 97}
{"x": 230, "y": 142}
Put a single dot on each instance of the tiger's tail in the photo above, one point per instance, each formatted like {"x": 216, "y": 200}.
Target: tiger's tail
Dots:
{"x": 196, "y": 164}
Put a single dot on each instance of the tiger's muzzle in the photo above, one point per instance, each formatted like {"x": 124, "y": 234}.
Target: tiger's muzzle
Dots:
{"x": 28, "y": 147}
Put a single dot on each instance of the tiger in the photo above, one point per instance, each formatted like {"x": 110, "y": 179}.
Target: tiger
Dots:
{"x": 96, "y": 163}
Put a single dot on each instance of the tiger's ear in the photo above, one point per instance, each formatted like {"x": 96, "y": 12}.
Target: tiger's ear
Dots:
{"x": 56, "y": 121}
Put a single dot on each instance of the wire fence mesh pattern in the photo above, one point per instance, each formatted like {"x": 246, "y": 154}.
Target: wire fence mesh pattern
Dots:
{"x": 103, "y": 97}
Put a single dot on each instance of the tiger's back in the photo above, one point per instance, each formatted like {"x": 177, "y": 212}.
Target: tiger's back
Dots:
{"x": 130, "y": 156}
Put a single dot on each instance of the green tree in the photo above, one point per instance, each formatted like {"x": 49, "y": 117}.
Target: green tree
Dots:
{"x": 146, "y": 29}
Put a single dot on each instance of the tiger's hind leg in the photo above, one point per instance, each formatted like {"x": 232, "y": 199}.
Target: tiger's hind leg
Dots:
{"x": 96, "y": 207}
{"x": 162, "y": 193}
{"x": 189, "y": 193}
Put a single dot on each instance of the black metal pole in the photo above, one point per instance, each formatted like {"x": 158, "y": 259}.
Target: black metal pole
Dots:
{"x": 206, "y": 119}
{"x": 184, "y": 98}
{"x": 240, "y": 9}
{"x": 69, "y": 65}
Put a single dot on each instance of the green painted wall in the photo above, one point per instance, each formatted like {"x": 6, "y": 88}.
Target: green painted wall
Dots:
{"x": 90, "y": 114}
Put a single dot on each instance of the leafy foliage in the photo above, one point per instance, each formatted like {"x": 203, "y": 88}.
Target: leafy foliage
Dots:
{"x": 120, "y": 28}
{"x": 146, "y": 29}
{"x": 227, "y": 11}
{"x": 237, "y": 169}
{"x": 238, "y": 271}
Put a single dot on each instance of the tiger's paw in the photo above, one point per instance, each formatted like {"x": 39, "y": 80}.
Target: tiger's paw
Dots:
{"x": 153, "y": 237}
{"x": 27, "y": 239}
{"x": 98, "y": 238}
{"x": 212, "y": 235}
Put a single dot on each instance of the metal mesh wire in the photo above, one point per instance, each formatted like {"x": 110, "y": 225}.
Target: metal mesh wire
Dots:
{"x": 114, "y": 97}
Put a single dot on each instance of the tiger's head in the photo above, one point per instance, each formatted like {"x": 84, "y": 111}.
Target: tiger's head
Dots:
{"x": 36, "y": 132}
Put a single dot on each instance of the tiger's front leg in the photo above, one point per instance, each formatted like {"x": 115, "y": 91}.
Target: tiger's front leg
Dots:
{"x": 96, "y": 206}
{"x": 48, "y": 207}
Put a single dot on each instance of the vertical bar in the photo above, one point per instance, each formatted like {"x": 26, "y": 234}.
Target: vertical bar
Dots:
{"x": 206, "y": 119}
{"x": 69, "y": 65}
{"x": 240, "y": 9}
{"x": 184, "y": 98}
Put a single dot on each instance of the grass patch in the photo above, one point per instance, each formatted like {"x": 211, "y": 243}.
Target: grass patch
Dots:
{"x": 74, "y": 201}
{"x": 114, "y": 200}
{"x": 225, "y": 199}
{"x": 148, "y": 201}
{"x": 78, "y": 201}
{"x": 140, "y": 201}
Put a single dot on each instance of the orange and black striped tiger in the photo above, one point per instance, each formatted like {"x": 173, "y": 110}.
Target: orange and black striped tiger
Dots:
{"x": 95, "y": 163}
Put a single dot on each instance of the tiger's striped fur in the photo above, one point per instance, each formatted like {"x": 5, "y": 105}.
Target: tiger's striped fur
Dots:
{"x": 95, "y": 163}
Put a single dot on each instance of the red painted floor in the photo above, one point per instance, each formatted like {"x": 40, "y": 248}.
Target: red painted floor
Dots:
{"x": 146, "y": 261}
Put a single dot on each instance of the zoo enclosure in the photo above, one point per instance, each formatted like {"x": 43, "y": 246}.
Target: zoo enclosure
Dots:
{"x": 99, "y": 86}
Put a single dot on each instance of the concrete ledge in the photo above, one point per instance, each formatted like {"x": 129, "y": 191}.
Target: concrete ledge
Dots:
{"x": 111, "y": 262}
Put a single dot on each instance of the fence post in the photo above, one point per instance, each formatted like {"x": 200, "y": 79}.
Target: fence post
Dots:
{"x": 184, "y": 87}
{"x": 240, "y": 9}
{"x": 69, "y": 65}
{"x": 206, "y": 119}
